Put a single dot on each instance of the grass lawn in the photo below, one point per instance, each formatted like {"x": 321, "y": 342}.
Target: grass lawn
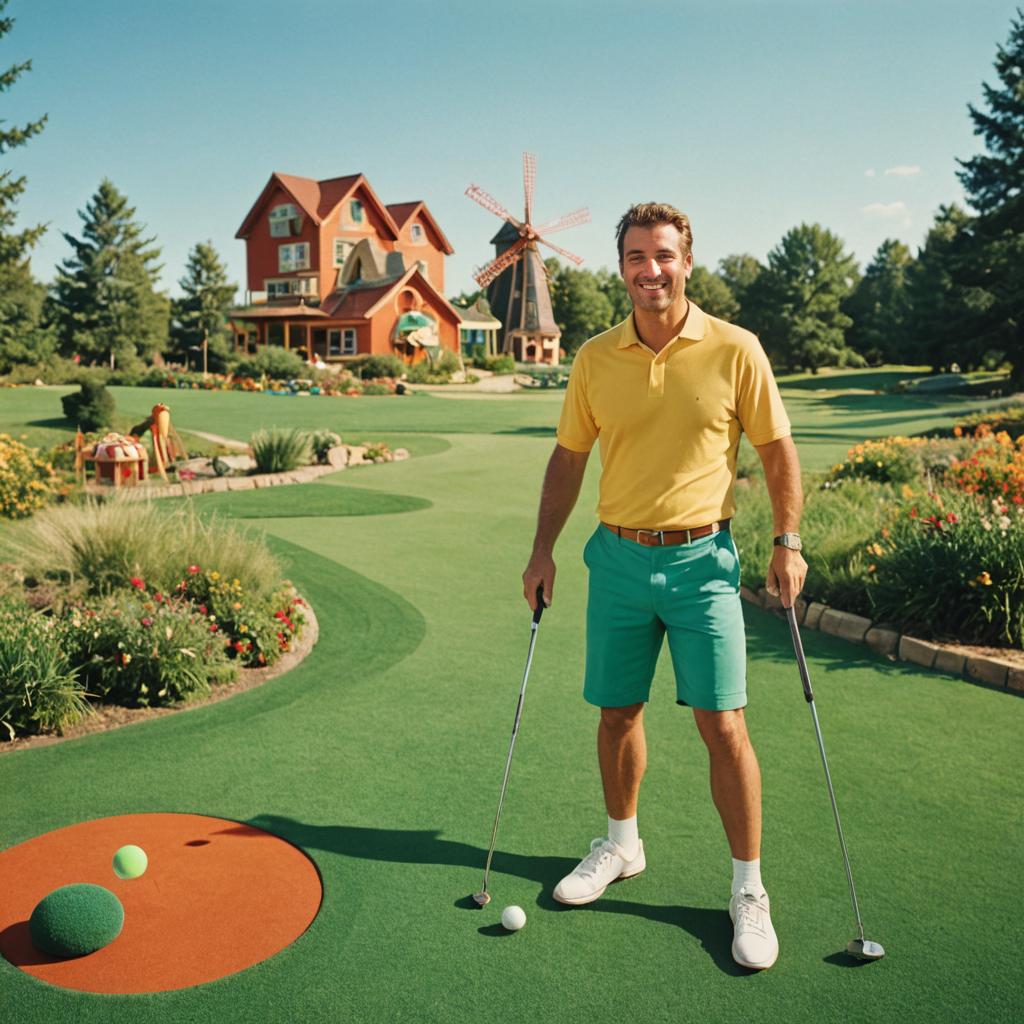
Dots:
{"x": 381, "y": 757}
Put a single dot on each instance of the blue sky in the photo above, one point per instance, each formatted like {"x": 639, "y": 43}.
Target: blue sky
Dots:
{"x": 750, "y": 116}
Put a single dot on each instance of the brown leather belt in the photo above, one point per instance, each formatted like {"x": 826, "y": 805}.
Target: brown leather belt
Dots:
{"x": 662, "y": 538}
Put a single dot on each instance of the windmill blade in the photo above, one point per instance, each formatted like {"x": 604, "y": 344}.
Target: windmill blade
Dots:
{"x": 529, "y": 177}
{"x": 488, "y": 202}
{"x": 486, "y": 275}
{"x": 564, "y": 252}
{"x": 568, "y": 220}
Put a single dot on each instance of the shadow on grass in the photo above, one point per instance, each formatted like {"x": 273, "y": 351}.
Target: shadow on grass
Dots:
{"x": 529, "y": 431}
{"x": 712, "y": 928}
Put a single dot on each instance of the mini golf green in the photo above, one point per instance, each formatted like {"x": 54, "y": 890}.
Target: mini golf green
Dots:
{"x": 381, "y": 755}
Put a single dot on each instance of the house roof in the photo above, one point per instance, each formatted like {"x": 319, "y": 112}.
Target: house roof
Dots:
{"x": 362, "y": 301}
{"x": 475, "y": 315}
{"x": 317, "y": 199}
{"x": 268, "y": 312}
{"x": 404, "y": 212}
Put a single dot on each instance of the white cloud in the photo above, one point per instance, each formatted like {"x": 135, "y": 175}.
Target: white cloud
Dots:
{"x": 903, "y": 171}
{"x": 869, "y": 173}
{"x": 885, "y": 210}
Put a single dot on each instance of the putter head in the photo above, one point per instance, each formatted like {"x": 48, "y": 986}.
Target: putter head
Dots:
{"x": 865, "y": 949}
{"x": 483, "y": 897}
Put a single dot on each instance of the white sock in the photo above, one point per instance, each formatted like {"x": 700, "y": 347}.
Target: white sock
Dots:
{"x": 625, "y": 834}
{"x": 746, "y": 874}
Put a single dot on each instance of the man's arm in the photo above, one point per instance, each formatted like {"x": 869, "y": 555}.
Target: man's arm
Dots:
{"x": 562, "y": 482}
{"x": 788, "y": 570}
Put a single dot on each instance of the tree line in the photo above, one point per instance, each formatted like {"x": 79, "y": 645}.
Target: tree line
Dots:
{"x": 958, "y": 299}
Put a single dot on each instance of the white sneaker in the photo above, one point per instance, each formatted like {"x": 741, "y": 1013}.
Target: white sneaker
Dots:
{"x": 604, "y": 864}
{"x": 754, "y": 943}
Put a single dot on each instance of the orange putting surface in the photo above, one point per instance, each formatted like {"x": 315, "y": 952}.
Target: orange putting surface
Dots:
{"x": 218, "y": 896}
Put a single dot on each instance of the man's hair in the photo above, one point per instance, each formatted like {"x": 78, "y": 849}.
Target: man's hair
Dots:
{"x": 646, "y": 215}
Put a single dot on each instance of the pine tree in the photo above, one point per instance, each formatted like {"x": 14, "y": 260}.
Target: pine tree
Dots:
{"x": 22, "y": 338}
{"x": 880, "y": 306}
{"x": 939, "y": 331}
{"x": 798, "y": 300}
{"x": 104, "y": 303}
{"x": 199, "y": 319}
{"x": 990, "y": 264}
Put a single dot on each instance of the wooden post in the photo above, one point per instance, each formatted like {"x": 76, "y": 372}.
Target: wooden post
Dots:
{"x": 287, "y": 335}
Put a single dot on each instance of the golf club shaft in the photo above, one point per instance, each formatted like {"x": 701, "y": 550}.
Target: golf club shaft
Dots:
{"x": 515, "y": 731}
{"x": 805, "y": 678}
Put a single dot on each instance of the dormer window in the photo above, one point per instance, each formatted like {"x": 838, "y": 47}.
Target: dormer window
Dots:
{"x": 355, "y": 211}
{"x": 284, "y": 221}
{"x": 417, "y": 233}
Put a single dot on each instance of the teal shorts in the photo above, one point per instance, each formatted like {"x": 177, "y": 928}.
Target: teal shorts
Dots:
{"x": 637, "y": 594}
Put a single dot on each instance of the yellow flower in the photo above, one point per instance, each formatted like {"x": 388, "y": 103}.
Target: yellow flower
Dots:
{"x": 984, "y": 579}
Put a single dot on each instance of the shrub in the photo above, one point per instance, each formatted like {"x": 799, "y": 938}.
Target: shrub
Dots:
{"x": 1008, "y": 418}
{"x": 144, "y": 653}
{"x": 53, "y": 371}
{"x": 104, "y": 545}
{"x": 274, "y": 362}
{"x": 27, "y": 483}
{"x": 372, "y": 366}
{"x": 38, "y": 686}
{"x": 499, "y": 364}
{"x": 995, "y": 468}
{"x": 91, "y": 407}
{"x": 948, "y": 565}
{"x": 322, "y": 442}
{"x": 277, "y": 450}
{"x": 376, "y": 387}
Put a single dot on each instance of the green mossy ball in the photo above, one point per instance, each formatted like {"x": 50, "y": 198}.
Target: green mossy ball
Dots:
{"x": 76, "y": 919}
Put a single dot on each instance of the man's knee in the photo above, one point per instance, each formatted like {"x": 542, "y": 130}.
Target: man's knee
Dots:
{"x": 723, "y": 731}
{"x": 623, "y": 719}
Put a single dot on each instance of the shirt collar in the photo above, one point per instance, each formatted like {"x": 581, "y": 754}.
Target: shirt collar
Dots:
{"x": 693, "y": 329}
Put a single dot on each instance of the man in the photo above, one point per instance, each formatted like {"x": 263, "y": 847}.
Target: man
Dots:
{"x": 667, "y": 393}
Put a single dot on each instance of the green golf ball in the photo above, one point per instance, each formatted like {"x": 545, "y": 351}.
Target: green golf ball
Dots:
{"x": 130, "y": 862}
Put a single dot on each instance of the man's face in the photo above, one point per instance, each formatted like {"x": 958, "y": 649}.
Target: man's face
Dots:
{"x": 654, "y": 267}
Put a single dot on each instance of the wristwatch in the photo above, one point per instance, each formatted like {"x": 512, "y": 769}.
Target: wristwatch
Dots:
{"x": 788, "y": 540}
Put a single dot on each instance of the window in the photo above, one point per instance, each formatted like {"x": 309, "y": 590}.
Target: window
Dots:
{"x": 284, "y": 221}
{"x": 341, "y": 251}
{"x": 355, "y": 210}
{"x": 341, "y": 342}
{"x": 278, "y": 288}
{"x": 417, "y": 233}
{"x": 293, "y": 257}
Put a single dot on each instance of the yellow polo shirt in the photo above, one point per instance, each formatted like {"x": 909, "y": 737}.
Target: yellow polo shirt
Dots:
{"x": 669, "y": 423}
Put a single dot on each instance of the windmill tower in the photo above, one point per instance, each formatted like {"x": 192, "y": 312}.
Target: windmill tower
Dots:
{"x": 517, "y": 281}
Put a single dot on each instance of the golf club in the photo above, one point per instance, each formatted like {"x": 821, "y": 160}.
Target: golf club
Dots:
{"x": 861, "y": 948}
{"x": 483, "y": 897}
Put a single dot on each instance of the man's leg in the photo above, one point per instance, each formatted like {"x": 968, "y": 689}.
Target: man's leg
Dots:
{"x": 736, "y": 790}
{"x": 735, "y": 779}
{"x": 622, "y": 754}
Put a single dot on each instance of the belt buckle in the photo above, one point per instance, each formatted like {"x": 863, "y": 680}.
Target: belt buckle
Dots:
{"x": 660, "y": 534}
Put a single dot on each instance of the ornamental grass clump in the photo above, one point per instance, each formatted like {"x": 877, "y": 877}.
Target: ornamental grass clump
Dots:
{"x": 322, "y": 441}
{"x": 143, "y": 650}
{"x": 277, "y": 450}
{"x": 39, "y": 688}
{"x": 101, "y": 546}
{"x": 27, "y": 483}
{"x": 947, "y": 565}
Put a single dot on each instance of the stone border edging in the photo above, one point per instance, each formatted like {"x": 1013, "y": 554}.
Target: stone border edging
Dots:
{"x": 112, "y": 716}
{"x": 992, "y": 672}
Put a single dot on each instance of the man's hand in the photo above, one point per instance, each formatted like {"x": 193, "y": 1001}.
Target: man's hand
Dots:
{"x": 786, "y": 575}
{"x": 540, "y": 571}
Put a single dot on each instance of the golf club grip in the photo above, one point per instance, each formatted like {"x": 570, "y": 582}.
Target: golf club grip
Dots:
{"x": 798, "y": 648}
{"x": 539, "y": 610}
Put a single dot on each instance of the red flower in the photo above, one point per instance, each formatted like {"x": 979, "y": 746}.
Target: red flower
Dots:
{"x": 137, "y": 582}
{"x": 202, "y": 609}
{"x": 158, "y": 598}
{"x": 147, "y": 622}
{"x": 1018, "y": 500}
{"x": 193, "y": 569}
{"x": 213, "y": 628}
{"x": 913, "y": 513}
{"x": 951, "y": 517}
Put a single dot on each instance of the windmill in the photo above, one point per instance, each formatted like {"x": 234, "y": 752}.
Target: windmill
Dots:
{"x": 517, "y": 280}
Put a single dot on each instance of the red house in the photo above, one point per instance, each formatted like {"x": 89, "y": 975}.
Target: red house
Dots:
{"x": 333, "y": 273}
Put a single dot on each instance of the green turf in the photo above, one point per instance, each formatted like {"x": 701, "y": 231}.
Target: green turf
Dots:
{"x": 381, "y": 755}
{"x": 304, "y": 500}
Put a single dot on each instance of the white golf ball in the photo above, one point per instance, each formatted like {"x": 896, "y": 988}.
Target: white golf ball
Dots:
{"x": 513, "y": 918}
